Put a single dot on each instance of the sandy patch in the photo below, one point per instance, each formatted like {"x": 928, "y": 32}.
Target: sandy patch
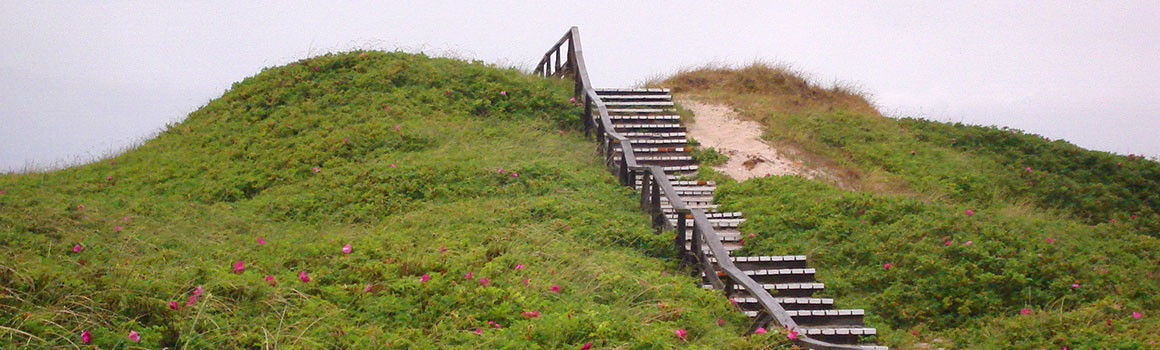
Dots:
{"x": 718, "y": 126}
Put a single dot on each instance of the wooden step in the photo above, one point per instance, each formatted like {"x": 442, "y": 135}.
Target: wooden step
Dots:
{"x": 835, "y": 317}
{"x": 767, "y": 262}
{"x": 638, "y": 111}
{"x": 786, "y": 275}
{"x": 839, "y": 334}
{"x": 637, "y": 97}
{"x": 653, "y": 149}
{"x": 651, "y": 142}
{"x": 629, "y": 91}
{"x": 633, "y": 118}
{"x": 620, "y": 127}
{"x": 633, "y": 135}
{"x": 750, "y": 303}
{"x": 622, "y": 104}
{"x": 711, "y": 216}
{"x": 791, "y": 289}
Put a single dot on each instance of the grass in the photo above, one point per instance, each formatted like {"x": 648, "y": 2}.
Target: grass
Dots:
{"x": 913, "y": 182}
{"x": 425, "y": 166}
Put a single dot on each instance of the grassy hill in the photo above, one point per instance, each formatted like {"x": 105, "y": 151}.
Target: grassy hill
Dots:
{"x": 996, "y": 238}
{"x": 476, "y": 217}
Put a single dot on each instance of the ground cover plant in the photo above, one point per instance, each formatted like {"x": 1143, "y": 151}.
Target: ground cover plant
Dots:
{"x": 355, "y": 200}
{"x": 950, "y": 235}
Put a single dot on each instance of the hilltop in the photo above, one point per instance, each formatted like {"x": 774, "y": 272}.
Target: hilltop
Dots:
{"x": 353, "y": 200}
{"x": 950, "y": 235}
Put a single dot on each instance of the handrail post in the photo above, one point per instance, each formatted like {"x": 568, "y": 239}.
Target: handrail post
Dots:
{"x": 656, "y": 202}
{"x": 587, "y": 116}
{"x": 682, "y": 228}
{"x": 624, "y": 172}
{"x": 644, "y": 198}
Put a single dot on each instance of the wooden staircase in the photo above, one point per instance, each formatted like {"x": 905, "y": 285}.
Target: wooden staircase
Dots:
{"x": 646, "y": 117}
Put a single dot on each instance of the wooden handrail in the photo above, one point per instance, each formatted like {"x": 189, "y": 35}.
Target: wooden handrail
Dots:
{"x": 654, "y": 183}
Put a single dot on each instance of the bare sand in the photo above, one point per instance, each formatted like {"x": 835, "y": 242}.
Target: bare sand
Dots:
{"x": 719, "y": 127}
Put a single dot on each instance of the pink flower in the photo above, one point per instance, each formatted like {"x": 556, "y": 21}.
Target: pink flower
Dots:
{"x": 1029, "y": 169}
{"x": 81, "y": 207}
{"x": 442, "y": 249}
{"x": 126, "y": 219}
{"x": 720, "y": 322}
{"x": 239, "y": 267}
{"x": 398, "y": 127}
{"x": 192, "y": 300}
{"x": 447, "y": 92}
{"x": 1025, "y": 311}
{"x": 967, "y": 243}
{"x": 531, "y": 314}
{"x": 970, "y": 212}
{"x": 484, "y": 281}
{"x": 424, "y": 278}
{"x": 116, "y": 228}
{"x": 751, "y": 235}
{"x": 586, "y": 345}
{"x": 572, "y": 99}
{"x": 173, "y": 305}
{"x": 109, "y": 178}
{"x": 519, "y": 267}
{"x": 1050, "y": 240}
{"x": 468, "y": 275}
{"x": 77, "y": 248}
{"x": 886, "y": 266}
{"x": 515, "y": 174}
{"x": 198, "y": 291}
{"x": 555, "y": 288}
{"x": 681, "y": 333}
{"x": 346, "y": 249}
{"x": 270, "y": 279}
{"x": 760, "y": 330}
{"x": 561, "y": 133}
{"x": 393, "y": 165}
{"x": 503, "y": 93}
{"x": 1136, "y": 314}
{"x": 261, "y": 241}
{"x": 792, "y": 334}
{"x": 86, "y": 337}
{"x": 367, "y": 289}
{"x": 345, "y": 139}
{"x": 315, "y": 68}
{"x": 501, "y": 170}
{"x": 948, "y": 243}
{"x": 302, "y": 276}
{"x": 316, "y": 169}
{"x": 1075, "y": 285}
{"x": 525, "y": 282}
{"x": 134, "y": 336}
{"x": 479, "y": 331}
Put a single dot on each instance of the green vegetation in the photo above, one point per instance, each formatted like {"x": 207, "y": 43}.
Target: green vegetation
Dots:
{"x": 431, "y": 169}
{"x": 914, "y": 182}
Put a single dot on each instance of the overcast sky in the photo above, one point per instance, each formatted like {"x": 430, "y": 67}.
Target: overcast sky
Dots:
{"x": 81, "y": 79}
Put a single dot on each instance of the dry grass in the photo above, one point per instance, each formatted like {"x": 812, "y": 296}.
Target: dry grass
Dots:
{"x": 769, "y": 93}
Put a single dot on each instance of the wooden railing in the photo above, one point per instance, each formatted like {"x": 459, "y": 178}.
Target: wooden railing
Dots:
{"x": 566, "y": 60}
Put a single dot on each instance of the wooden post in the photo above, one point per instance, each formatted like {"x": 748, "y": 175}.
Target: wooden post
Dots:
{"x": 587, "y": 116}
{"x": 682, "y": 227}
{"x": 656, "y": 203}
{"x": 624, "y": 172}
{"x": 644, "y": 198}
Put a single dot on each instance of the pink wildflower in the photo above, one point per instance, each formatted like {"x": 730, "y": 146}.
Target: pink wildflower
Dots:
{"x": 1136, "y": 314}
{"x": 398, "y": 127}
{"x": 967, "y": 243}
{"x": 681, "y": 333}
{"x": 948, "y": 243}
{"x": 368, "y": 288}
{"x": 572, "y": 99}
{"x": 126, "y": 219}
{"x": 555, "y": 288}
{"x": 519, "y": 267}
{"x": 316, "y": 169}
{"x": 134, "y": 336}
{"x": 561, "y": 133}
{"x": 192, "y": 300}
{"x": 86, "y": 337}
{"x": 525, "y": 282}
{"x": 515, "y": 174}
{"x": 484, "y": 282}
{"x": 586, "y": 345}
{"x": 751, "y": 235}
{"x": 501, "y": 170}
{"x": 479, "y": 331}
{"x": 531, "y": 314}
{"x": 503, "y": 93}
{"x": 270, "y": 278}
{"x": 886, "y": 266}
{"x": 1050, "y": 240}
{"x": 346, "y": 249}
{"x": 393, "y": 165}
{"x": 1075, "y": 285}
{"x": 468, "y": 275}
{"x": 442, "y": 249}
{"x": 198, "y": 291}
{"x": 1029, "y": 169}
{"x": 81, "y": 207}
{"x": 173, "y": 305}
{"x": 792, "y": 334}
{"x": 77, "y": 248}
{"x": 424, "y": 278}
{"x": 302, "y": 276}
{"x": 760, "y": 330}
{"x": 1025, "y": 311}
{"x": 261, "y": 241}
{"x": 239, "y": 267}
{"x": 720, "y": 322}
{"x": 970, "y": 212}
{"x": 116, "y": 228}
{"x": 109, "y": 178}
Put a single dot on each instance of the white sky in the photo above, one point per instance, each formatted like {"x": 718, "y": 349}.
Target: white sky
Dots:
{"x": 81, "y": 79}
